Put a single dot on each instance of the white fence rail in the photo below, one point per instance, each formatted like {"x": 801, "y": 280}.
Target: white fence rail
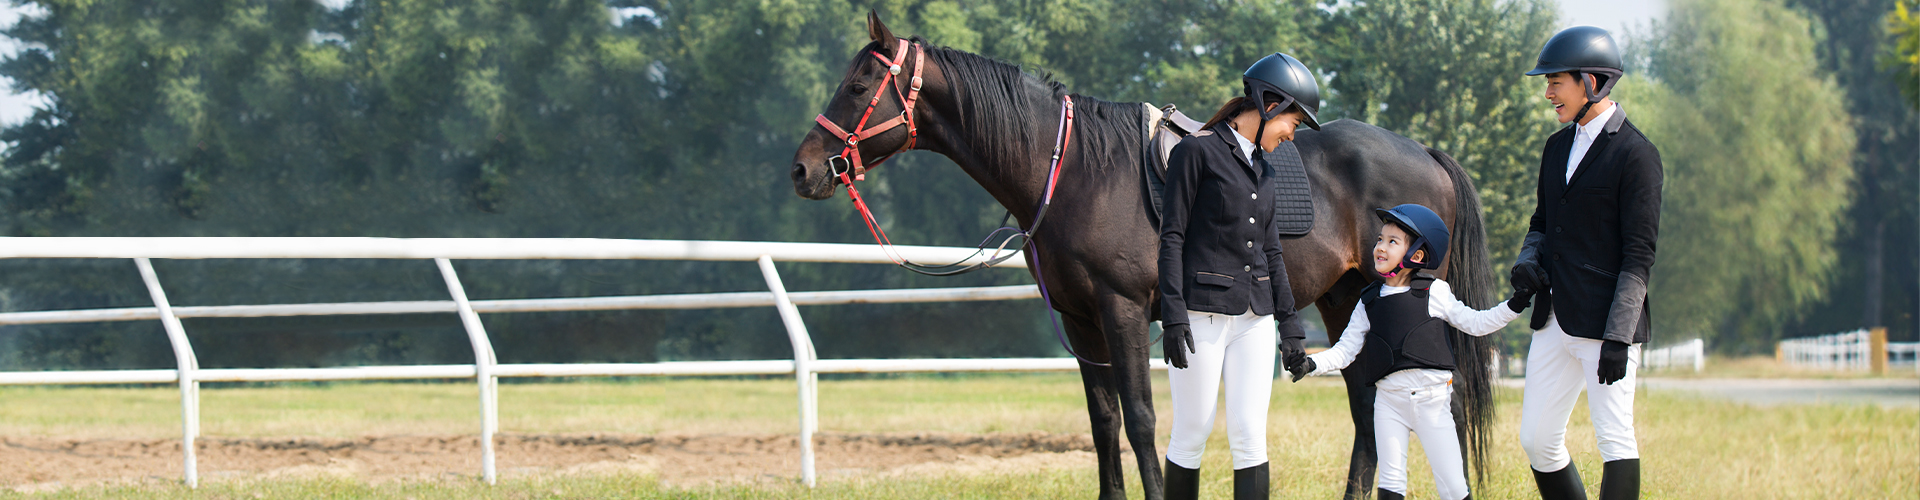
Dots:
{"x": 1692, "y": 353}
{"x": 1849, "y": 351}
{"x": 486, "y": 370}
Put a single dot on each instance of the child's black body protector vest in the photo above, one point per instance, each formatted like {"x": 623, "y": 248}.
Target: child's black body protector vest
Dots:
{"x": 1403, "y": 335}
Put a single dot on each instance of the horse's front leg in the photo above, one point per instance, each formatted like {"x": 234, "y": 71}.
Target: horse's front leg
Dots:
{"x": 1124, "y": 321}
{"x": 1103, "y": 405}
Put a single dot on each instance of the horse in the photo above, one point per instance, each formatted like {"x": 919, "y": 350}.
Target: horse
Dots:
{"x": 1097, "y": 253}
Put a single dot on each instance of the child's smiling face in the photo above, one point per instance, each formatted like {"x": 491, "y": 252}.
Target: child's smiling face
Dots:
{"x": 1391, "y": 248}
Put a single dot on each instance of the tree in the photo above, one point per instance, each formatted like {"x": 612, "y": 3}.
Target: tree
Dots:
{"x": 1757, "y": 147}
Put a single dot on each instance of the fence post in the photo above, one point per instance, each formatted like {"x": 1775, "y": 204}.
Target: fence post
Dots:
{"x": 1877, "y": 350}
{"x": 1699, "y": 355}
{"x": 188, "y": 368}
{"x": 483, "y": 361}
{"x": 803, "y": 375}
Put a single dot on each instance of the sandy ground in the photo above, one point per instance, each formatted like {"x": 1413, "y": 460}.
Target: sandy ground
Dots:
{"x": 29, "y": 464}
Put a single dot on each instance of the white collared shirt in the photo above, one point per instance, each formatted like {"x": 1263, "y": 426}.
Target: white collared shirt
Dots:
{"x": 1583, "y": 136}
{"x": 1246, "y": 148}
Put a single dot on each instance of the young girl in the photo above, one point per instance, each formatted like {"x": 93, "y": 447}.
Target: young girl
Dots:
{"x": 1398, "y": 340}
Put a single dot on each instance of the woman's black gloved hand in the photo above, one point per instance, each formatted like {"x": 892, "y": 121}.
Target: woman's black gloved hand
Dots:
{"x": 1177, "y": 341}
{"x": 1293, "y": 352}
{"x": 1613, "y": 362}
{"x": 1520, "y": 300}
{"x": 1301, "y": 370}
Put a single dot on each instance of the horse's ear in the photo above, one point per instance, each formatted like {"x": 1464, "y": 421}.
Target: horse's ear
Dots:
{"x": 877, "y": 30}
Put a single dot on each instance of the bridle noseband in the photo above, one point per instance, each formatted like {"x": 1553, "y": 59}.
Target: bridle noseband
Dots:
{"x": 849, "y": 160}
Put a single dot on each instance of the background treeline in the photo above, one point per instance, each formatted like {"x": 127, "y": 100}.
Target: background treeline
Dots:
{"x": 1790, "y": 156}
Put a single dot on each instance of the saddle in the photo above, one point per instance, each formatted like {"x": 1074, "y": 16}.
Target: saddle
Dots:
{"x": 1292, "y": 193}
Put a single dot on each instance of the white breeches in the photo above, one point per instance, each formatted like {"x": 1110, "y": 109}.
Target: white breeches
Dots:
{"x": 1234, "y": 353}
{"x": 1426, "y": 412}
{"x": 1558, "y": 367}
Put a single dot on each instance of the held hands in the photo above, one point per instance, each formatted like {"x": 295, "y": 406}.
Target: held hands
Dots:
{"x": 1530, "y": 277}
{"x": 1293, "y": 352}
{"x": 1613, "y": 362}
{"x": 1301, "y": 370}
{"x": 1520, "y": 300}
{"x": 1177, "y": 341}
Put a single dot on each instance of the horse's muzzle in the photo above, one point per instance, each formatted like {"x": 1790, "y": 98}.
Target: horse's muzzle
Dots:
{"x": 810, "y": 185}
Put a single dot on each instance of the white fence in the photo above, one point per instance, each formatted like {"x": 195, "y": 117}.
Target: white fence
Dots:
{"x": 486, "y": 371}
{"x": 1848, "y": 351}
{"x": 1692, "y": 353}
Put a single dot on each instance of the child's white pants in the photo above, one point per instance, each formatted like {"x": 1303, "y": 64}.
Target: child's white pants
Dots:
{"x": 1234, "y": 352}
{"x": 1558, "y": 367}
{"x": 1427, "y": 412}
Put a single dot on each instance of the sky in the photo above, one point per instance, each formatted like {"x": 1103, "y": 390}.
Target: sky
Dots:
{"x": 1614, "y": 15}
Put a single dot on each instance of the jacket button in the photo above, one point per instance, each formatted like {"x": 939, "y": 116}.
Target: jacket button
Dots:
{"x": 1556, "y": 229}
{"x": 1563, "y": 202}
{"x": 1256, "y": 196}
{"x": 1249, "y": 243}
{"x": 1250, "y": 220}
{"x": 1246, "y": 268}
{"x": 1556, "y": 256}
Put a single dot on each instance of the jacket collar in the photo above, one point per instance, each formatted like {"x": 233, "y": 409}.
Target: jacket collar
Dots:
{"x": 1228, "y": 135}
{"x": 1618, "y": 118}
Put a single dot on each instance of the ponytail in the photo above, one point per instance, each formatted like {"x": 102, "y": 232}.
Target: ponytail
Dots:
{"x": 1231, "y": 109}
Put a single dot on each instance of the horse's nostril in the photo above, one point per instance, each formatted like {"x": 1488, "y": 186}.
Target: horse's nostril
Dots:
{"x": 799, "y": 172}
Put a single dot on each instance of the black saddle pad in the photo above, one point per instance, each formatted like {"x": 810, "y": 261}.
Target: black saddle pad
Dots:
{"x": 1293, "y": 193}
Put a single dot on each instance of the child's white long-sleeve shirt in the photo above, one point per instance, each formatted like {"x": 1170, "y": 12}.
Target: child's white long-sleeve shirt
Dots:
{"x": 1440, "y": 304}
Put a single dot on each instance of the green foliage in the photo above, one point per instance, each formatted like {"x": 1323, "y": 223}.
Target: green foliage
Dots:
{"x": 1757, "y": 146}
{"x": 1903, "y": 27}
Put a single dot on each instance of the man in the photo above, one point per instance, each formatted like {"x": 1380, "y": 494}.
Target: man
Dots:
{"x": 1589, "y": 253}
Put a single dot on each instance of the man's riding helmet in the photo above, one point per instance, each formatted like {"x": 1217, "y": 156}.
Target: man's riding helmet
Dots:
{"x": 1279, "y": 78}
{"x": 1427, "y": 230}
{"x": 1583, "y": 50}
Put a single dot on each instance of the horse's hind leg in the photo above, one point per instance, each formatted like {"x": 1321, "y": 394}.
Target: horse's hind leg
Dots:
{"x": 1365, "y": 458}
{"x": 1103, "y": 409}
{"x": 1125, "y": 325}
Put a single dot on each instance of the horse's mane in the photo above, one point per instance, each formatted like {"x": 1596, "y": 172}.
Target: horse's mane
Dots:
{"x": 998, "y": 99}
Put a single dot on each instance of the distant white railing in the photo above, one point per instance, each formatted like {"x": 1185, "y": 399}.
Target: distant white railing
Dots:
{"x": 486, "y": 369}
{"x": 1858, "y": 350}
{"x": 1692, "y": 353}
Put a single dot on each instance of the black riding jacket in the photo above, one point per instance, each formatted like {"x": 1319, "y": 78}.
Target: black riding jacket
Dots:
{"x": 1595, "y": 234}
{"x": 1219, "y": 248}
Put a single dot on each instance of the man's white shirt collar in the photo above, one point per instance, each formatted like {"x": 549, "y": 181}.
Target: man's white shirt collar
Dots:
{"x": 1584, "y": 135}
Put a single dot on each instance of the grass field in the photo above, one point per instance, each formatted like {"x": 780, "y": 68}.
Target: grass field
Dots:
{"x": 1691, "y": 447}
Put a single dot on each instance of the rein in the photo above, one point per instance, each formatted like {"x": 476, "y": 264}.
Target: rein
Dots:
{"x": 852, "y": 168}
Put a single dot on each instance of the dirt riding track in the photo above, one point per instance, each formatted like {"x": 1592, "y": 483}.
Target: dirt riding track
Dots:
{"x": 26, "y": 462}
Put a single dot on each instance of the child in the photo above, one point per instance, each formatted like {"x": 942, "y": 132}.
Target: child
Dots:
{"x": 1397, "y": 340}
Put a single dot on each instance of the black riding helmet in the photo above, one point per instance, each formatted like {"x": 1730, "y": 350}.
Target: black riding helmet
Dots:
{"x": 1428, "y": 231}
{"x": 1583, "y": 50}
{"x": 1281, "y": 78}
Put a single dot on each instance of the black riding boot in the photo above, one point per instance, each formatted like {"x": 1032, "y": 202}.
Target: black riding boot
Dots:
{"x": 1620, "y": 480}
{"x": 1563, "y": 484}
{"x": 1250, "y": 483}
{"x": 1386, "y": 494}
{"x": 1181, "y": 483}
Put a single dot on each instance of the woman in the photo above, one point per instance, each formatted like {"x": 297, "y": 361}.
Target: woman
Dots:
{"x": 1222, "y": 282}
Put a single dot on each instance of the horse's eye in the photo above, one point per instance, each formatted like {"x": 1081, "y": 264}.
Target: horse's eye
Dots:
{"x": 856, "y": 89}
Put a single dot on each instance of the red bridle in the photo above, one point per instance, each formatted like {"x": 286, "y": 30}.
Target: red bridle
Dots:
{"x": 850, "y": 155}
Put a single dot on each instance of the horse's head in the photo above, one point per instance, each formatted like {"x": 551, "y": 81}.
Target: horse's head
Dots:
{"x": 869, "y": 118}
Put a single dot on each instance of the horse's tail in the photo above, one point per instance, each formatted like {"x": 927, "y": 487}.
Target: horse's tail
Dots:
{"x": 1469, "y": 272}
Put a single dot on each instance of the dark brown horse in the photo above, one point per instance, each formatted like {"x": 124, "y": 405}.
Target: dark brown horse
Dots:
{"x": 1097, "y": 250}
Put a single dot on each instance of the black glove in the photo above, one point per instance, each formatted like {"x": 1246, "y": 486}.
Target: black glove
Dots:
{"x": 1177, "y": 341}
{"x": 1613, "y": 362}
{"x": 1293, "y": 351}
{"x": 1529, "y": 276}
{"x": 1301, "y": 370}
{"x": 1520, "y": 300}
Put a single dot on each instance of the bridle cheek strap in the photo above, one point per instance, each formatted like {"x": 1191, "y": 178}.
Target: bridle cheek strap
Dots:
{"x": 850, "y": 153}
